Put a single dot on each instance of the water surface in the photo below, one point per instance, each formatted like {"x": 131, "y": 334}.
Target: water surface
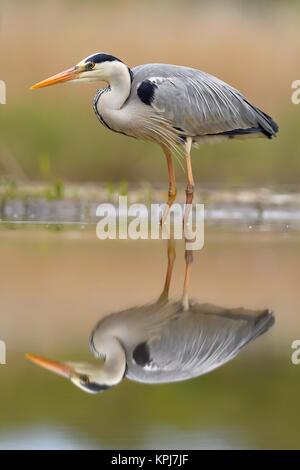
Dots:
{"x": 55, "y": 286}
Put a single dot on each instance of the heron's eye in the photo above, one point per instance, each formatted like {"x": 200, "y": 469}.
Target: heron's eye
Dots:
{"x": 84, "y": 379}
{"x": 91, "y": 65}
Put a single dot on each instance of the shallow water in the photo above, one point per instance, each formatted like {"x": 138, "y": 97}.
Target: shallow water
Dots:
{"x": 54, "y": 288}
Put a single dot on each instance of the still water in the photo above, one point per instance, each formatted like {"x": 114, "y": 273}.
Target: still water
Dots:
{"x": 56, "y": 286}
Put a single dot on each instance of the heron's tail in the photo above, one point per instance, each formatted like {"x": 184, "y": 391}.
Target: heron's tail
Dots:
{"x": 266, "y": 124}
{"x": 263, "y": 321}
{"x": 266, "y": 127}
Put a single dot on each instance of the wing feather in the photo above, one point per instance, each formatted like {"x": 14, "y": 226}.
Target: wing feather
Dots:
{"x": 198, "y": 103}
{"x": 194, "y": 342}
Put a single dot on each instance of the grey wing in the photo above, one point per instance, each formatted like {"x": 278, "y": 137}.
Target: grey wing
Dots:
{"x": 197, "y": 103}
{"x": 198, "y": 341}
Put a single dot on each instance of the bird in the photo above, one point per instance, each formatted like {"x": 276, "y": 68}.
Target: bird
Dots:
{"x": 175, "y": 106}
{"x": 162, "y": 342}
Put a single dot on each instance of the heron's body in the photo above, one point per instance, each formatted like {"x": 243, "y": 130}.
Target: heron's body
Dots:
{"x": 165, "y": 343}
{"x": 168, "y": 103}
{"x": 171, "y": 105}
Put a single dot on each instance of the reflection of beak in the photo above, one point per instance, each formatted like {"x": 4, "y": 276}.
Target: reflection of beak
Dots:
{"x": 69, "y": 74}
{"x": 56, "y": 367}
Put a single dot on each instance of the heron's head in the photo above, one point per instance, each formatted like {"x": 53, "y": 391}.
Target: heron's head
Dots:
{"x": 94, "y": 68}
{"x": 92, "y": 378}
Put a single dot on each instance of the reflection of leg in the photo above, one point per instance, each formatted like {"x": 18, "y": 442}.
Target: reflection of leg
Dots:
{"x": 171, "y": 260}
{"x": 172, "y": 182}
{"x": 190, "y": 180}
{"x": 187, "y": 275}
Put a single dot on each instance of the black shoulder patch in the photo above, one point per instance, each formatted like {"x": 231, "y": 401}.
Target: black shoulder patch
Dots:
{"x": 102, "y": 57}
{"x": 146, "y": 91}
{"x": 141, "y": 355}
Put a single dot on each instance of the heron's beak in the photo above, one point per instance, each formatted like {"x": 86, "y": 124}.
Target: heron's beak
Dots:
{"x": 57, "y": 367}
{"x": 69, "y": 74}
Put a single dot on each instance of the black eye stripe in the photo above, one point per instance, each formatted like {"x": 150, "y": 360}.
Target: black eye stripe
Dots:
{"x": 94, "y": 387}
{"x": 102, "y": 57}
{"x": 98, "y": 58}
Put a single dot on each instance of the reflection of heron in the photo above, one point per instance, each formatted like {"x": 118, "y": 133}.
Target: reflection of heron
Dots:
{"x": 169, "y": 105}
{"x": 164, "y": 341}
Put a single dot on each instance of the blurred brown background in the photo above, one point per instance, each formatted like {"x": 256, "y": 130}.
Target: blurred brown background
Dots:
{"x": 53, "y": 133}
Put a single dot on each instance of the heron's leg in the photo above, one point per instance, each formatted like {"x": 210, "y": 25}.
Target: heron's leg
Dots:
{"x": 188, "y": 267}
{"x": 190, "y": 179}
{"x": 171, "y": 260}
{"x": 172, "y": 181}
{"x": 189, "y": 171}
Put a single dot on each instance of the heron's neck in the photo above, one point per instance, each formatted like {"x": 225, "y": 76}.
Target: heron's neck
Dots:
{"x": 114, "y": 367}
{"x": 119, "y": 81}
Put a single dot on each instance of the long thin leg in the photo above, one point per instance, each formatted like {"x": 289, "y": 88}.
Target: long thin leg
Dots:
{"x": 171, "y": 260}
{"x": 172, "y": 181}
{"x": 189, "y": 172}
{"x": 190, "y": 179}
{"x": 187, "y": 275}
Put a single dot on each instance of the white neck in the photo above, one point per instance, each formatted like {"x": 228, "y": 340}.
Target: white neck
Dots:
{"x": 118, "y": 77}
{"x": 114, "y": 367}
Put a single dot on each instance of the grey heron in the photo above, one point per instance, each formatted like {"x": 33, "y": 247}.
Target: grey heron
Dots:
{"x": 174, "y": 106}
{"x": 166, "y": 341}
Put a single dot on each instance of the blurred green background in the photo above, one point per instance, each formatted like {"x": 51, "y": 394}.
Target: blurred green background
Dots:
{"x": 53, "y": 133}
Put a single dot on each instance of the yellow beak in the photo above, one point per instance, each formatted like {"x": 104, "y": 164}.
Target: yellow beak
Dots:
{"x": 57, "y": 367}
{"x": 66, "y": 75}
